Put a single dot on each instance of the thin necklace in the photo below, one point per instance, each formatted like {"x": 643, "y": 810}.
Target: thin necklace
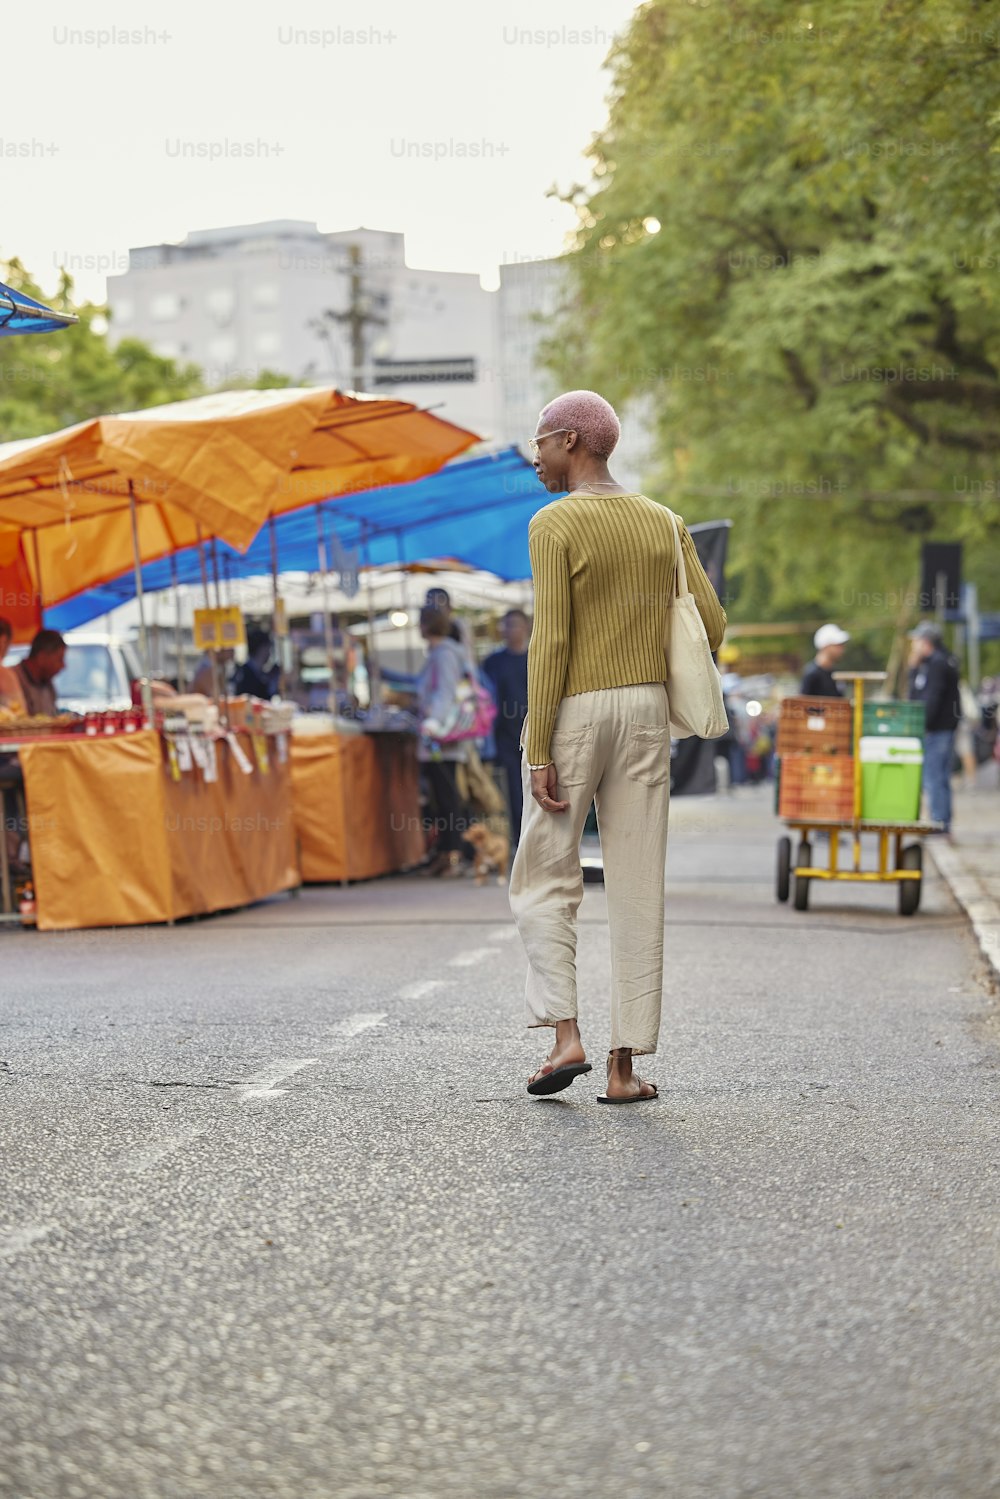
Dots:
{"x": 604, "y": 484}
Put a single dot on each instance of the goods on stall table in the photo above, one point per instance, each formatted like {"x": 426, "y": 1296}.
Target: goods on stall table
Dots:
{"x": 115, "y": 721}
{"x": 14, "y": 724}
{"x": 194, "y": 706}
{"x": 278, "y": 716}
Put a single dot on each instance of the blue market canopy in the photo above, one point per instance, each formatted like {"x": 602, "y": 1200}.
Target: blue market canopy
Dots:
{"x": 20, "y": 313}
{"x": 475, "y": 510}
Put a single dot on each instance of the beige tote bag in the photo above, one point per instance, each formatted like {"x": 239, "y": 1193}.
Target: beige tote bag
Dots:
{"x": 694, "y": 687}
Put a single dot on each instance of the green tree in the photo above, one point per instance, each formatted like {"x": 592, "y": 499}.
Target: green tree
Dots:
{"x": 789, "y": 254}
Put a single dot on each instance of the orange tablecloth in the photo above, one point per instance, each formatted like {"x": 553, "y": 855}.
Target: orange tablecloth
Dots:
{"x": 357, "y": 807}
{"x": 115, "y": 841}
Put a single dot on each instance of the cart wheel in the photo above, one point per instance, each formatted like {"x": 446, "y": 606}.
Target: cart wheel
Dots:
{"x": 912, "y": 857}
{"x": 784, "y": 868}
{"x": 803, "y": 856}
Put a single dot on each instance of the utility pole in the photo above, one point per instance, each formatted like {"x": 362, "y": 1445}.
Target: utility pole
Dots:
{"x": 357, "y": 318}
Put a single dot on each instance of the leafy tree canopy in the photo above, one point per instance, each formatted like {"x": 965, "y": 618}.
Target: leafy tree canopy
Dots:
{"x": 789, "y": 255}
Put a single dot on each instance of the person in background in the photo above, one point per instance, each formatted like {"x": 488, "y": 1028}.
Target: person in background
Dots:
{"x": 506, "y": 671}
{"x": 436, "y": 690}
{"x": 202, "y": 679}
{"x": 934, "y": 682}
{"x": 965, "y": 734}
{"x": 458, "y": 629}
{"x": 817, "y": 679}
{"x": 36, "y": 674}
{"x": 11, "y": 695}
{"x": 257, "y": 678}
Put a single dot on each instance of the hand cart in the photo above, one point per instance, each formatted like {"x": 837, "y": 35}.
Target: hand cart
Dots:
{"x": 899, "y": 861}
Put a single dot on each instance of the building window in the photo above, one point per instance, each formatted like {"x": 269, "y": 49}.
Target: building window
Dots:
{"x": 166, "y": 348}
{"x": 123, "y": 311}
{"x": 265, "y": 294}
{"x": 268, "y": 344}
{"x": 221, "y": 349}
{"x": 221, "y": 303}
{"x": 164, "y": 306}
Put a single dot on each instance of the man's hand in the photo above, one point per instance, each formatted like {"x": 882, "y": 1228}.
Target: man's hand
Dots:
{"x": 543, "y": 789}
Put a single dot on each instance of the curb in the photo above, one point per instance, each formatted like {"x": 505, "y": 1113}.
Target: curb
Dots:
{"x": 982, "y": 908}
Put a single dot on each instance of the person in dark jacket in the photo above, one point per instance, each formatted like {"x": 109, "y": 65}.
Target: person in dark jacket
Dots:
{"x": 817, "y": 679}
{"x": 934, "y": 682}
{"x": 258, "y": 676}
{"x": 506, "y": 671}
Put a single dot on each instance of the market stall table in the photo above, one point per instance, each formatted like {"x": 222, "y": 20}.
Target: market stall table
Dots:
{"x": 118, "y": 838}
{"x": 356, "y": 799}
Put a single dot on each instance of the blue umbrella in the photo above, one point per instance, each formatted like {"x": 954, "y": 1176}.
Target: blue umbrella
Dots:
{"x": 22, "y": 314}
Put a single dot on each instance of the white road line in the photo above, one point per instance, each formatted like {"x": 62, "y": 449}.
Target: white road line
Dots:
{"x": 355, "y": 1025}
{"x": 263, "y": 1085}
{"x": 471, "y": 958}
{"x": 422, "y": 988}
{"x": 504, "y": 934}
{"x": 158, "y": 1150}
{"x": 23, "y": 1238}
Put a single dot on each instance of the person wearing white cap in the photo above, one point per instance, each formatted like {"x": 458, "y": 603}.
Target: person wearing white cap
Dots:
{"x": 817, "y": 679}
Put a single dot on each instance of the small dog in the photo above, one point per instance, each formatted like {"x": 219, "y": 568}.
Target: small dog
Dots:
{"x": 492, "y": 852}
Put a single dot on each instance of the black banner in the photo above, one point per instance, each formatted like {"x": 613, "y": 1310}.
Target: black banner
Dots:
{"x": 711, "y": 541}
{"x": 692, "y": 764}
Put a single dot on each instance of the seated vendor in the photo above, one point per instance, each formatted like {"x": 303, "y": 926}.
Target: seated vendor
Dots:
{"x": 11, "y": 695}
{"x": 36, "y": 674}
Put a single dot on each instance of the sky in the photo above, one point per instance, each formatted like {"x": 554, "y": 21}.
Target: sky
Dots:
{"x": 442, "y": 119}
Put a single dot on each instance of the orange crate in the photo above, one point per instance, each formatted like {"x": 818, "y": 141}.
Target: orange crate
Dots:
{"x": 819, "y": 787}
{"x": 815, "y": 726}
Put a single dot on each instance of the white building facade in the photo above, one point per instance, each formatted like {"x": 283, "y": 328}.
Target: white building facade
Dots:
{"x": 345, "y": 309}
{"x": 341, "y": 309}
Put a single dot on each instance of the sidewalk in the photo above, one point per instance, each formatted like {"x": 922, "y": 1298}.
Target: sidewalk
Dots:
{"x": 971, "y": 863}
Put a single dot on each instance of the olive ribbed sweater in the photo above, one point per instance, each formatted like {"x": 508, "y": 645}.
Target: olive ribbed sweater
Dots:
{"x": 602, "y": 567}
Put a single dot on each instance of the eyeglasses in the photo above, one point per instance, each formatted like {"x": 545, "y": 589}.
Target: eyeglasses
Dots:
{"x": 534, "y": 441}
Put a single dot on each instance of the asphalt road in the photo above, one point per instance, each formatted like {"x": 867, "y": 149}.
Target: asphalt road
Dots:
{"x": 280, "y": 1222}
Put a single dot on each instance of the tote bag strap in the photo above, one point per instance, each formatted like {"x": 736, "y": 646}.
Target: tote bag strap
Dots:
{"x": 680, "y": 567}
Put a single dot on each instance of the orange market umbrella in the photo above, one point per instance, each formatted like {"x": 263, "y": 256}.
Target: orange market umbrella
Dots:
{"x": 118, "y": 491}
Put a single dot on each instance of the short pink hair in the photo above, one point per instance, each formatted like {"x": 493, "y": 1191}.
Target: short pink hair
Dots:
{"x": 589, "y": 415}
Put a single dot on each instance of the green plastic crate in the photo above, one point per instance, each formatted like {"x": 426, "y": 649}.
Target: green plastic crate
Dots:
{"x": 896, "y": 719}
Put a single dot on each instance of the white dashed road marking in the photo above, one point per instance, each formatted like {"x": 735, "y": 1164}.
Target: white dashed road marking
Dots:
{"x": 422, "y": 988}
{"x": 23, "y": 1238}
{"x": 153, "y": 1154}
{"x": 471, "y": 958}
{"x": 264, "y": 1084}
{"x": 354, "y": 1025}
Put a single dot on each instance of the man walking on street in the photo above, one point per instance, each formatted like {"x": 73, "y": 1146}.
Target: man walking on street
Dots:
{"x": 506, "y": 671}
{"x": 934, "y": 682}
{"x": 817, "y": 679}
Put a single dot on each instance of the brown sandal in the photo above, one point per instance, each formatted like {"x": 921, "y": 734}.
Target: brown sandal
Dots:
{"x": 639, "y": 1097}
{"x": 557, "y": 1078}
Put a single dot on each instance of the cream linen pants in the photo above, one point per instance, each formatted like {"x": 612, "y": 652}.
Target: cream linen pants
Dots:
{"x": 612, "y": 747}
